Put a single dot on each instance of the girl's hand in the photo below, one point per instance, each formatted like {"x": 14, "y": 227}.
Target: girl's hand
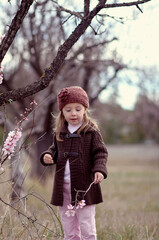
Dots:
{"x": 48, "y": 159}
{"x": 98, "y": 177}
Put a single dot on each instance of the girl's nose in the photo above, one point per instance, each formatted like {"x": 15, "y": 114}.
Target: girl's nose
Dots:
{"x": 73, "y": 112}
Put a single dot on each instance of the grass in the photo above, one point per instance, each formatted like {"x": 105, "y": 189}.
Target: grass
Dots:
{"x": 131, "y": 197}
{"x": 130, "y": 210}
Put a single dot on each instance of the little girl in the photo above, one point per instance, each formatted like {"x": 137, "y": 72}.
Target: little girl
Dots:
{"x": 80, "y": 156}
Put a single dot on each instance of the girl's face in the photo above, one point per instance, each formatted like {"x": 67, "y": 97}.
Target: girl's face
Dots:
{"x": 73, "y": 113}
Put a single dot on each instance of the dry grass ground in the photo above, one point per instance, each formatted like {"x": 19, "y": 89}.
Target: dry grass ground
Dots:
{"x": 131, "y": 194}
{"x": 130, "y": 210}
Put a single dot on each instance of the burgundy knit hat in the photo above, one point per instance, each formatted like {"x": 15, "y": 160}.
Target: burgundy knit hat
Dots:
{"x": 73, "y": 94}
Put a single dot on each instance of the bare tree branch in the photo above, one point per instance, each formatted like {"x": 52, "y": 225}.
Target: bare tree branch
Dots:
{"x": 14, "y": 27}
{"x": 107, "y": 83}
{"x": 86, "y": 7}
{"x": 77, "y": 14}
{"x": 126, "y": 4}
{"x": 85, "y": 47}
{"x": 139, "y": 8}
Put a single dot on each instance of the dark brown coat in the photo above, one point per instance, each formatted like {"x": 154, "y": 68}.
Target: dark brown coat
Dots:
{"x": 89, "y": 156}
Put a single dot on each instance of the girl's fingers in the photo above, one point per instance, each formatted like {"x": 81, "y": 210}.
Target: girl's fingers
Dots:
{"x": 98, "y": 178}
{"x": 48, "y": 159}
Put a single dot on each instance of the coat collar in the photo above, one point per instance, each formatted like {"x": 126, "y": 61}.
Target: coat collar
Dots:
{"x": 65, "y": 130}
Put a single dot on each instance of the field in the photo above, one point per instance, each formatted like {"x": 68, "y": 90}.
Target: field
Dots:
{"x": 130, "y": 210}
{"x": 131, "y": 194}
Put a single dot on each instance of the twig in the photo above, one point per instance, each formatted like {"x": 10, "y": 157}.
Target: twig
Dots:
{"x": 31, "y": 219}
{"x": 37, "y": 196}
{"x": 77, "y": 14}
{"x": 126, "y": 4}
{"x": 89, "y": 187}
{"x": 82, "y": 191}
{"x": 139, "y": 8}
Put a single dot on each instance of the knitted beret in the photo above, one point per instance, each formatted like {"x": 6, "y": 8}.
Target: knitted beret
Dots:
{"x": 73, "y": 94}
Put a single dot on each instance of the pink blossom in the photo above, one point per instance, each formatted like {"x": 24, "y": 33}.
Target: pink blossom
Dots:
{"x": 2, "y": 37}
{"x": 34, "y": 102}
{"x": 70, "y": 211}
{"x": 10, "y": 142}
{"x": 1, "y": 74}
{"x": 1, "y": 68}
{"x": 1, "y": 79}
{"x": 81, "y": 204}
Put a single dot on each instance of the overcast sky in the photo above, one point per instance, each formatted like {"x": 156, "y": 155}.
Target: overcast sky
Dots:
{"x": 138, "y": 45}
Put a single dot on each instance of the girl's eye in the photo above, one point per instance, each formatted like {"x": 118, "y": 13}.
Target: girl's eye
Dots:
{"x": 78, "y": 109}
{"x": 67, "y": 110}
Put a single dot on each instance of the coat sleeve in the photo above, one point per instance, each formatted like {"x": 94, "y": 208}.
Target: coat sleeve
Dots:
{"x": 52, "y": 151}
{"x": 99, "y": 154}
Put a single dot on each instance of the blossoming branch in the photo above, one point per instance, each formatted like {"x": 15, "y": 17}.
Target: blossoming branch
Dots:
{"x": 13, "y": 137}
{"x": 78, "y": 204}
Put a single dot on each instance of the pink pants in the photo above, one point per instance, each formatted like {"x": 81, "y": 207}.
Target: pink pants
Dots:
{"x": 81, "y": 226}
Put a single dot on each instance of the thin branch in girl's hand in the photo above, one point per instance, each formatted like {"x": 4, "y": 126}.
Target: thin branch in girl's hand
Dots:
{"x": 78, "y": 204}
